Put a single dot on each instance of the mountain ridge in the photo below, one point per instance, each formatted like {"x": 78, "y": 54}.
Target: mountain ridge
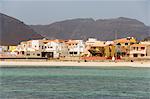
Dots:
{"x": 13, "y": 31}
{"x": 83, "y": 28}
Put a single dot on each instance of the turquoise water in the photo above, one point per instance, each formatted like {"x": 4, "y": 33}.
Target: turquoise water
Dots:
{"x": 75, "y": 83}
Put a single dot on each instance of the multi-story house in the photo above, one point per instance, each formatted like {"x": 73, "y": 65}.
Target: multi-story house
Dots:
{"x": 140, "y": 50}
{"x": 75, "y": 47}
{"x": 52, "y": 49}
{"x": 123, "y": 46}
{"x": 32, "y": 48}
{"x": 42, "y": 48}
{"x": 99, "y": 48}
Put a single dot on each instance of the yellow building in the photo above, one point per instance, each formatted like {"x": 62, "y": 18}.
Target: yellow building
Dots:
{"x": 12, "y": 48}
{"x": 102, "y": 49}
{"x": 109, "y": 50}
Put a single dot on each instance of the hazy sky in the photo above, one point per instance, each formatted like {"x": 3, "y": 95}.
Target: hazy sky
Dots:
{"x": 48, "y": 11}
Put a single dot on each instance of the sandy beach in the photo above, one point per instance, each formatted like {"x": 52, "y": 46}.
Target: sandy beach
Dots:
{"x": 84, "y": 64}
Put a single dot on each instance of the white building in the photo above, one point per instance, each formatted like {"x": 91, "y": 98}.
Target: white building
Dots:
{"x": 35, "y": 45}
{"x": 32, "y": 48}
{"x": 91, "y": 41}
{"x": 42, "y": 48}
{"x": 75, "y": 47}
{"x": 52, "y": 49}
{"x": 140, "y": 50}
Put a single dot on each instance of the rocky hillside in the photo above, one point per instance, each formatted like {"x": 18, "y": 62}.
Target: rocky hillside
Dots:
{"x": 13, "y": 31}
{"x": 103, "y": 29}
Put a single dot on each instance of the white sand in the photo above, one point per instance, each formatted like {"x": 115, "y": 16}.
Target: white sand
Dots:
{"x": 90, "y": 64}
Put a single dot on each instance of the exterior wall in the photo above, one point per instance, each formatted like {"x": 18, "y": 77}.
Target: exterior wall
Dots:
{"x": 138, "y": 55}
{"x": 34, "y": 54}
{"x": 109, "y": 51}
{"x": 1, "y": 49}
{"x": 63, "y": 50}
{"x": 90, "y": 41}
{"x": 138, "y": 52}
{"x": 4, "y": 48}
{"x": 148, "y": 51}
{"x": 53, "y": 47}
{"x": 12, "y": 48}
{"x": 123, "y": 46}
{"x": 145, "y": 42}
{"x": 76, "y": 49}
{"x": 37, "y": 45}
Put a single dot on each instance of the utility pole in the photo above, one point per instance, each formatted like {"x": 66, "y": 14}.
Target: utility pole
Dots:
{"x": 116, "y": 44}
{"x": 116, "y": 35}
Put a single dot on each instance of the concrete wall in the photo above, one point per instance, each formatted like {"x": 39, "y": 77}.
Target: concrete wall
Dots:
{"x": 148, "y": 50}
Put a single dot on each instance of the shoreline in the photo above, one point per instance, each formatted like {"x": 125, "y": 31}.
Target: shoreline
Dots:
{"x": 76, "y": 64}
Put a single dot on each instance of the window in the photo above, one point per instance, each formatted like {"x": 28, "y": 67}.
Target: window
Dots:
{"x": 118, "y": 44}
{"x": 75, "y": 52}
{"x": 28, "y": 54}
{"x": 131, "y": 43}
{"x": 38, "y": 54}
{"x": 134, "y": 48}
{"x": 126, "y": 43}
{"x": 142, "y": 55}
{"x": 42, "y": 47}
{"x": 135, "y": 55}
{"x": 70, "y": 52}
{"x": 22, "y": 52}
{"x": 142, "y": 48}
{"x": 45, "y": 47}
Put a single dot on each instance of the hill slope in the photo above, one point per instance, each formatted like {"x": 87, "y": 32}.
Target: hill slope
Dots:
{"x": 102, "y": 29}
{"x": 13, "y": 31}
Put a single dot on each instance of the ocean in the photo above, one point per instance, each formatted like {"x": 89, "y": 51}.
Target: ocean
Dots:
{"x": 75, "y": 83}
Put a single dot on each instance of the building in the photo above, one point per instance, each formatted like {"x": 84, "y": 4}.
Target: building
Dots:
{"x": 92, "y": 41}
{"x": 75, "y": 47}
{"x": 145, "y": 42}
{"x": 123, "y": 46}
{"x": 42, "y": 49}
{"x": 4, "y": 48}
{"x": 99, "y": 48}
{"x": 30, "y": 49}
{"x": 110, "y": 49}
{"x": 92, "y": 47}
{"x": 140, "y": 51}
{"x": 52, "y": 49}
{"x": 12, "y": 48}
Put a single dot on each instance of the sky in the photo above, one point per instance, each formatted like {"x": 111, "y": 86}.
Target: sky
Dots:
{"x": 49, "y": 11}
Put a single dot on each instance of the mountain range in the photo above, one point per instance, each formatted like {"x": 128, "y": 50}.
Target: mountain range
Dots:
{"x": 13, "y": 31}
{"x": 103, "y": 29}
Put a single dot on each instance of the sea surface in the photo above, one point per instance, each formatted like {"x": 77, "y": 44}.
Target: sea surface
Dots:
{"x": 75, "y": 83}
